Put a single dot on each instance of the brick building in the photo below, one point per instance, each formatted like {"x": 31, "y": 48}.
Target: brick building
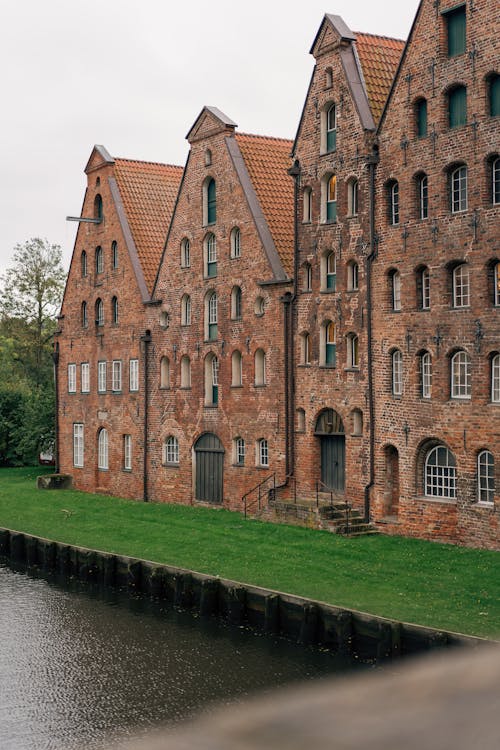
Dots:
{"x": 320, "y": 316}
{"x": 100, "y": 369}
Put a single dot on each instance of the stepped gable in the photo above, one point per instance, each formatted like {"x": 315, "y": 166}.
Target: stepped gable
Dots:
{"x": 148, "y": 191}
{"x": 379, "y": 57}
{"x": 267, "y": 160}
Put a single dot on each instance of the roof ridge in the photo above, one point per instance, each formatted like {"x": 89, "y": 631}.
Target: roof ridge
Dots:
{"x": 380, "y": 36}
{"x": 268, "y": 137}
{"x": 145, "y": 161}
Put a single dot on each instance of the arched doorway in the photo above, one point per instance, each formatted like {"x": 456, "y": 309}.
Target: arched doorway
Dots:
{"x": 209, "y": 468}
{"x": 331, "y": 433}
{"x": 391, "y": 489}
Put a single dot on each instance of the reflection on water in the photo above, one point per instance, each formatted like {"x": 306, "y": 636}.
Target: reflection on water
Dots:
{"x": 81, "y": 668}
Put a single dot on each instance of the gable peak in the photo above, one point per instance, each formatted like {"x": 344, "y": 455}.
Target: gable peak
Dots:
{"x": 209, "y": 122}
{"x": 332, "y": 33}
{"x": 98, "y": 158}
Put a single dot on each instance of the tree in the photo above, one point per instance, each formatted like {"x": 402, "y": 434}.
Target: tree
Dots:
{"x": 30, "y": 297}
{"x": 32, "y": 291}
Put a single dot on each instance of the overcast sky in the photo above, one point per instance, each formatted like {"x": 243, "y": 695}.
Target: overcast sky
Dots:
{"x": 134, "y": 75}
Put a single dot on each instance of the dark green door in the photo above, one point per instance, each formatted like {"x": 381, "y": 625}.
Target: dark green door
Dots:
{"x": 209, "y": 458}
{"x": 333, "y": 461}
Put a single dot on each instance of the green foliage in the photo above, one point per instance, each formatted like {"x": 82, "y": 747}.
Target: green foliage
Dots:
{"x": 438, "y": 585}
{"x": 31, "y": 294}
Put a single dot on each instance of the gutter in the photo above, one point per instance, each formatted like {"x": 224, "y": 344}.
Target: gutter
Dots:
{"x": 146, "y": 340}
{"x": 372, "y": 162}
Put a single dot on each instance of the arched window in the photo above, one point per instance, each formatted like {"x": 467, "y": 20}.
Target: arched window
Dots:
{"x": 84, "y": 315}
{"x": 235, "y": 242}
{"x": 352, "y": 276}
{"x": 114, "y": 254}
{"x": 423, "y": 196}
{"x": 260, "y": 306}
{"x": 352, "y": 350}
{"x": 307, "y": 205}
{"x": 83, "y": 263}
{"x": 99, "y": 312}
{"x": 458, "y": 189}
{"x": 306, "y": 277}
{"x": 164, "y": 372}
{"x": 263, "y": 452}
{"x": 102, "y": 449}
{"x": 393, "y": 202}
{"x": 186, "y": 310}
{"x": 494, "y": 95}
{"x": 331, "y": 199}
{"x": 457, "y": 106}
{"x": 114, "y": 310}
{"x": 209, "y": 201}
{"x": 395, "y": 284}
{"x": 236, "y": 369}
{"x": 440, "y": 473}
{"x": 260, "y": 367}
{"x": 98, "y": 207}
{"x": 239, "y": 451}
{"x": 495, "y": 378}
{"x": 352, "y": 197}
{"x": 210, "y": 253}
{"x": 328, "y": 345}
{"x": 331, "y": 128}
{"x": 236, "y": 303}
{"x": 305, "y": 349}
{"x": 423, "y": 281}
{"x": 211, "y": 316}
{"x": 397, "y": 372}
{"x": 461, "y": 286}
{"x": 425, "y": 375}
{"x": 99, "y": 260}
{"x": 211, "y": 380}
{"x": 171, "y": 450}
{"x": 328, "y": 272}
{"x": 185, "y": 372}
{"x": 495, "y": 181}
{"x": 461, "y": 375}
{"x": 485, "y": 477}
{"x": 421, "y": 118}
{"x": 301, "y": 420}
{"x": 185, "y": 253}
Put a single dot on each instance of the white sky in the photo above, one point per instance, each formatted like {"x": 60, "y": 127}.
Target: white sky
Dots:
{"x": 133, "y": 75}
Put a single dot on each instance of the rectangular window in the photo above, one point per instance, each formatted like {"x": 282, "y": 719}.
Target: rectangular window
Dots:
{"x": 85, "y": 377}
{"x": 263, "y": 453}
{"x": 71, "y": 378}
{"x": 127, "y": 452}
{"x": 101, "y": 377}
{"x": 455, "y": 26}
{"x": 457, "y": 107}
{"x": 78, "y": 447}
{"x": 134, "y": 375}
{"x": 116, "y": 375}
{"x": 240, "y": 452}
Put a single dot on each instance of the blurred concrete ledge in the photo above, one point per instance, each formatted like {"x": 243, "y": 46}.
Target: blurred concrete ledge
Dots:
{"x": 448, "y": 701}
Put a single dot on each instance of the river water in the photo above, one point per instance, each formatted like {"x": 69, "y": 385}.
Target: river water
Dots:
{"x": 82, "y": 668}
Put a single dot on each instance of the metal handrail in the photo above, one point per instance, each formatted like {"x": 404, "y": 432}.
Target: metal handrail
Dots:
{"x": 328, "y": 489}
{"x": 257, "y": 487}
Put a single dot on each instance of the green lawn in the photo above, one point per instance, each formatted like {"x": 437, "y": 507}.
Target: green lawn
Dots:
{"x": 431, "y": 584}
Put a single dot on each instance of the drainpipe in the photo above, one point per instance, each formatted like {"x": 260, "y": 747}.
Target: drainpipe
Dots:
{"x": 55, "y": 359}
{"x": 290, "y": 309}
{"x": 146, "y": 340}
{"x": 372, "y": 162}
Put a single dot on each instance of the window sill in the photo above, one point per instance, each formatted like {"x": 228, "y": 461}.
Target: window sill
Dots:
{"x": 240, "y": 385}
{"x": 461, "y": 399}
{"x": 328, "y": 367}
{"x": 171, "y": 466}
{"x": 306, "y": 222}
{"x": 238, "y": 466}
{"x": 85, "y": 393}
{"x": 304, "y": 365}
{"x": 351, "y": 369}
{"x": 352, "y": 291}
{"x": 185, "y": 388}
{"x": 260, "y": 385}
{"x": 210, "y": 406}
{"x": 328, "y": 291}
{"x": 185, "y": 325}
{"x": 438, "y": 500}
{"x": 262, "y": 467}
{"x": 459, "y": 309}
{"x": 127, "y": 471}
{"x": 209, "y": 341}
{"x": 116, "y": 393}
{"x": 485, "y": 505}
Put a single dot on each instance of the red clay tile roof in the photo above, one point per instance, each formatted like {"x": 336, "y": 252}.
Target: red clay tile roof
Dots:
{"x": 267, "y": 161}
{"x": 379, "y": 57}
{"x": 148, "y": 191}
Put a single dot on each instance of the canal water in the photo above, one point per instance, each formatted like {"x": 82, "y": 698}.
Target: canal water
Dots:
{"x": 86, "y": 668}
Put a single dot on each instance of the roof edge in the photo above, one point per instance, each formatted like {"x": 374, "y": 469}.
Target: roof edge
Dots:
{"x": 224, "y": 120}
{"x": 338, "y": 25}
{"x": 103, "y": 153}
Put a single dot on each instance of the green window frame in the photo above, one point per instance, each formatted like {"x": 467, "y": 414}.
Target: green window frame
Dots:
{"x": 421, "y": 118}
{"x": 456, "y": 30}
{"x": 330, "y": 345}
{"x": 331, "y": 128}
{"x": 457, "y": 107}
{"x": 211, "y": 202}
{"x": 331, "y": 199}
{"x": 331, "y": 272}
{"x": 494, "y": 95}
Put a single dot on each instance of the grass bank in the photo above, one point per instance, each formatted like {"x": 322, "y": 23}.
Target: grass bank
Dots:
{"x": 438, "y": 585}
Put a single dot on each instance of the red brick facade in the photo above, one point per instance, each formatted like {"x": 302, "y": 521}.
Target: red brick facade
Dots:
{"x": 356, "y": 349}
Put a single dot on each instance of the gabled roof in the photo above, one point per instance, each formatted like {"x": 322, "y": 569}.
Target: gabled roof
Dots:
{"x": 210, "y": 120}
{"x": 148, "y": 191}
{"x": 379, "y": 57}
{"x": 267, "y": 161}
